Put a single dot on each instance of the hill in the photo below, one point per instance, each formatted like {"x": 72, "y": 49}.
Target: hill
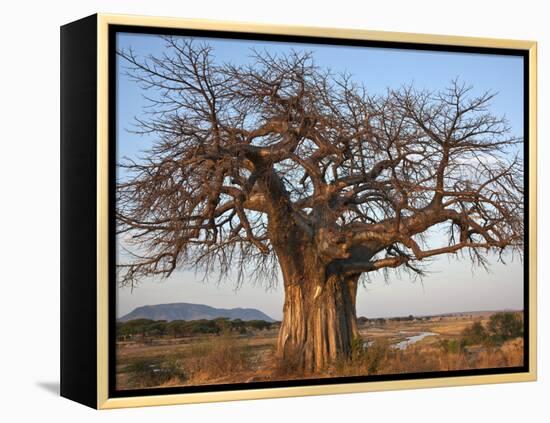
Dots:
{"x": 187, "y": 311}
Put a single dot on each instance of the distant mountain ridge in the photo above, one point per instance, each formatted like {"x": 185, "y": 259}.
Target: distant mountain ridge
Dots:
{"x": 188, "y": 311}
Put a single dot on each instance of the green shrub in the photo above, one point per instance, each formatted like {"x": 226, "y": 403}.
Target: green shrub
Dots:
{"x": 474, "y": 334}
{"x": 504, "y": 326}
{"x": 452, "y": 346}
{"x": 501, "y": 327}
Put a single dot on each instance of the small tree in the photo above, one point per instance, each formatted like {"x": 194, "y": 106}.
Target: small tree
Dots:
{"x": 281, "y": 164}
{"x": 504, "y": 326}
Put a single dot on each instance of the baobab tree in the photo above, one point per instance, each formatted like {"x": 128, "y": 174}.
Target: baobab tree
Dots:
{"x": 280, "y": 163}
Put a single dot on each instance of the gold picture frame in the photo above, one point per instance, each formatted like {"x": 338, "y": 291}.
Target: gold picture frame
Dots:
{"x": 98, "y": 32}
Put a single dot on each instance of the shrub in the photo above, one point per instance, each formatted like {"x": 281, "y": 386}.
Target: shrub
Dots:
{"x": 452, "y": 346}
{"x": 366, "y": 358}
{"x": 500, "y": 328}
{"x": 474, "y": 334}
{"x": 504, "y": 326}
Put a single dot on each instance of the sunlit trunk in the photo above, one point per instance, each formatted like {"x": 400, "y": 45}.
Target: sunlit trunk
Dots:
{"x": 319, "y": 320}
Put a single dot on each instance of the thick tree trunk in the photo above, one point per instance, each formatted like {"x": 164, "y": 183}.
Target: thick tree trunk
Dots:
{"x": 319, "y": 320}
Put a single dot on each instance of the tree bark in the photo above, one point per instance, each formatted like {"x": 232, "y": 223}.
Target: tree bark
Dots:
{"x": 319, "y": 320}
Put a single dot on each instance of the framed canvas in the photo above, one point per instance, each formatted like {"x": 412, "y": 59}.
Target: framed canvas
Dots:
{"x": 254, "y": 211}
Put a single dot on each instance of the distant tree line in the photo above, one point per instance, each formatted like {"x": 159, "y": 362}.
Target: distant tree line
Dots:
{"x": 377, "y": 321}
{"x": 380, "y": 321}
{"x": 146, "y": 328}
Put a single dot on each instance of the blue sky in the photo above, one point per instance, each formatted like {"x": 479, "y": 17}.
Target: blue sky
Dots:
{"x": 452, "y": 286}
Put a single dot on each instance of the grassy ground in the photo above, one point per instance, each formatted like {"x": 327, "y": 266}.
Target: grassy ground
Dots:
{"x": 236, "y": 358}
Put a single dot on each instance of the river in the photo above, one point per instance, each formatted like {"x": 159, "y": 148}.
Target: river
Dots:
{"x": 413, "y": 340}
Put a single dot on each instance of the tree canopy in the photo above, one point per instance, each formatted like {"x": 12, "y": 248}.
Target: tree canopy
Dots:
{"x": 244, "y": 153}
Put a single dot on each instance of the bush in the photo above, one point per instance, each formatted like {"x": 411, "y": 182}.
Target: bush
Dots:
{"x": 500, "y": 328}
{"x": 366, "y": 358}
{"x": 504, "y": 326}
{"x": 475, "y": 334}
{"x": 452, "y": 346}
{"x": 376, "y": 354}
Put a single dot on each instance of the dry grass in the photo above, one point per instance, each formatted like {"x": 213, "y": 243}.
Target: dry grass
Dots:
{"x": 380, "y": 358}
{"x": 219, "y": 359}
{"x": 287, "y": 367}
{"x": 222, "y": 359}
{"x": 237, "y": 359}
